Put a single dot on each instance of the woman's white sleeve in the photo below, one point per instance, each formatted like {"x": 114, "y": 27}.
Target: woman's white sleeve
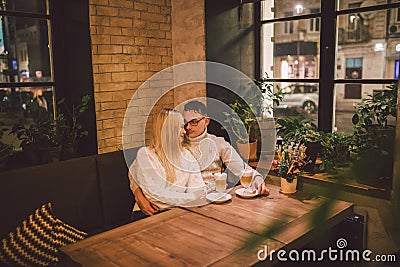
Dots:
{"x": 152, "y": 179}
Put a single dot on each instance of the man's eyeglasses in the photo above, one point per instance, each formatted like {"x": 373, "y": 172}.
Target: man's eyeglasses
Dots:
{"x": 193, "y": 122}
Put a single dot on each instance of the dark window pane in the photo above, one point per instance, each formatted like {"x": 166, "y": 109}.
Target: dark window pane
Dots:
{"x": 25, "y": 52}
{"x": 352, "y": 91}
{"x": 32, "y": 6}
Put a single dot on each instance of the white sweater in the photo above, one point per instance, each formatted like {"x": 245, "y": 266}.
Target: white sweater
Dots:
{"x": 212, "y": 151}
{"x": 151, "y": 177}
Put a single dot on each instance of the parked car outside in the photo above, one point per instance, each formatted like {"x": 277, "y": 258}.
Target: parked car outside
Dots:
{"x": 300, "y": 96}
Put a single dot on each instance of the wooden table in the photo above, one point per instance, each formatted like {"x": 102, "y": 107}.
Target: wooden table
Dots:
{"x": 213, "y": 235}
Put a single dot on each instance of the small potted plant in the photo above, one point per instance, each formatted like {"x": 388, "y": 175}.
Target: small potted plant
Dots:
{"x": 70, "y": 128}
{"x": 291, "y": 161}
{"x": 302, "y": 131}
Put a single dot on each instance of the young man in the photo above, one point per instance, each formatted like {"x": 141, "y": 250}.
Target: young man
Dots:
{"x": 210, "y": 151}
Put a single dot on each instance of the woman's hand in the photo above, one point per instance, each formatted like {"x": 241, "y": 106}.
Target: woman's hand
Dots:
{"x": 144, "y": 204}
{"x": 199, "y": 194}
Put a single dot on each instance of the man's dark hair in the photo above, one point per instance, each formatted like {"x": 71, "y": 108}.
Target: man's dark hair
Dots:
{"x": 196, "y": 106}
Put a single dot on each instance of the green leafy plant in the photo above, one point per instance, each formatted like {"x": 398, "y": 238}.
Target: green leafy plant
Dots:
{"x": 335, "y": 151}
{"x": 45, "y": 134}
{"x": 6, "y": 150}
{"x": 42, "y": 132}
{"x": 71, "y": 130}
{"x": 373, "y": 137}
{"x": 298, "y": 130}
{"x": 245, "y": 117}
{"x": 260, "y": 97}
{"x": 376, "y": 108}
{"x": 301, "y": 131}
{"x": 265, "y": 85}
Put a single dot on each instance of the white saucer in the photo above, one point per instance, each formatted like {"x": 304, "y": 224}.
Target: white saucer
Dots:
{"x": 218, "y": 197}
{"x": 242, "y": 192}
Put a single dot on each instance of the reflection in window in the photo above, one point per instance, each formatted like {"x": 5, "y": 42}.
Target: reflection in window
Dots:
{"x": 24, "y": 59}
{"x": 396, "y": 69}
{"x": 314, "y": 22}
{"x": 398, "y": 14}
{"x": 288, "y": 25}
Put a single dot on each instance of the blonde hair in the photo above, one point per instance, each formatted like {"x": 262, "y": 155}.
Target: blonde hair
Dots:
{"x": 166, "y": 141}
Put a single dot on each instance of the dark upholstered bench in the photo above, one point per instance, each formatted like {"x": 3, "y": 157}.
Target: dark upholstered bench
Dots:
{"x": 90, "y": 193}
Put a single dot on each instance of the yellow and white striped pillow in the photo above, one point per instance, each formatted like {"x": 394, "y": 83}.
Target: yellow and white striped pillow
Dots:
{"x": 36, "y": 241}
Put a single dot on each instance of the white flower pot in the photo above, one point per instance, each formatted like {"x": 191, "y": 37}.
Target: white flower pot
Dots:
{"x": 288, "y": 188}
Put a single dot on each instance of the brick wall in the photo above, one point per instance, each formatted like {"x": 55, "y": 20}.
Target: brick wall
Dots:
{"x": 131, "y": 40}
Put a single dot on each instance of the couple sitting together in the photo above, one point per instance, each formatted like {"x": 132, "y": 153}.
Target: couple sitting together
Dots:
{"x": 179, "y": 165}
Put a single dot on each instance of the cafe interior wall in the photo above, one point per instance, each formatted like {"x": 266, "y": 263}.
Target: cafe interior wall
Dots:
{"x": 131, "y": 41}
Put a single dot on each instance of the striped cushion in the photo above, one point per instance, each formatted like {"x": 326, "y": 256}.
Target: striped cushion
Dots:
{"x": 66, "y": 234}
{"x": 36, "y": 241}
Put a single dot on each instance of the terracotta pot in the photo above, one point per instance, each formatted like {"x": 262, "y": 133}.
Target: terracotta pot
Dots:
{"x": 288, "y": 188}
{"x": 248, "y": 151}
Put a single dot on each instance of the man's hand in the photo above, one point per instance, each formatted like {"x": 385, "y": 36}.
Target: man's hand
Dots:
{"x": 260, "y": 185}
{"x": 262, "y": 189}
{"x": 144, "y": 204}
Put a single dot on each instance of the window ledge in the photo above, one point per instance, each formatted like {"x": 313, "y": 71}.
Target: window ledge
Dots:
{"x": 346, "y": 184}
{"x": 330, "y": 180}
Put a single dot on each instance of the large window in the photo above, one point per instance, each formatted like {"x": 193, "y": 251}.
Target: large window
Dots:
{"x": 342, "y": 51}
{"x": 26, "y": 79}
{"x": 363, "y": 52}
{"x": 292, "y": 56}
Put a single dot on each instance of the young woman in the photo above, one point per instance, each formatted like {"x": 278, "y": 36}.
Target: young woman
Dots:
{"x": 166, "y": 172}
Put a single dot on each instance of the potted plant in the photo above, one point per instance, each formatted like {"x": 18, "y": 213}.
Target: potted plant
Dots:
{"x": 244, "y": 116}
{"x": 241, "y": 122}
{"x": 292, "y": 160}
{"x": 335, "y": 151}
{"x": 374, "y": 137}
{"x": 40, "y": 140}
{"x": 302, "y": 131}
{"x": 265, "y": 85}
{"x": 6, "y": 150}
{"x": 70, "y": 128}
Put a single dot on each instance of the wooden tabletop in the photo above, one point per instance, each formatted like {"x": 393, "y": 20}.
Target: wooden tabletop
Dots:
{"x": 215, "y": 234}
